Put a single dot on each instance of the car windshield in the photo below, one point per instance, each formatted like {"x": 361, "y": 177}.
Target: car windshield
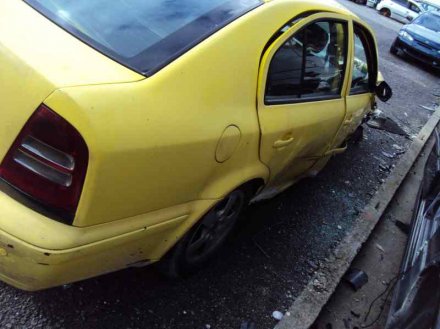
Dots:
{"x": 144, "y": 35}
{"x": 428, "y": 6}
{"x": 429, "y": 21}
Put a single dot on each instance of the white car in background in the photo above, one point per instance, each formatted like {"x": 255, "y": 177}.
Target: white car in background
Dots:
{"x": 404, "y": 11}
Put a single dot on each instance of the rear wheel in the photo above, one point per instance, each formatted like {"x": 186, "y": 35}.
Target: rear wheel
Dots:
{"x": 385, "y": 12}
{"x": 205, "y": 238}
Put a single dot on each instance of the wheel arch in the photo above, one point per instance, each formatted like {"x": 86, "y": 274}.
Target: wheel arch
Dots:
{"x": 166, "y": 264}
{"x": 386, "y": 9}
{"x": 254, "y": 177}
{"x": 252, "y": 187}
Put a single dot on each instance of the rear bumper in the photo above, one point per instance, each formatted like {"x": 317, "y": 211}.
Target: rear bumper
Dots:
{"x": 38, "y": 253}
{"x": 31, "y": 268}
{"x": 418, "y": 53}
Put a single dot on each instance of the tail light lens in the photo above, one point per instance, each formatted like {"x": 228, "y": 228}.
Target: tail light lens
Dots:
{"x": 48, "y": 162}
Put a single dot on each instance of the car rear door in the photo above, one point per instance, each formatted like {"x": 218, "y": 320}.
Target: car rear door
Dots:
{"x": 400, "y": 10}
{"x": 301, "y": 102}
{"x": 414, "y": 11}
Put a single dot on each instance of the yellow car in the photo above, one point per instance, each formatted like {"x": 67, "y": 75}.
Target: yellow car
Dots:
{"x": 135, "y": 131}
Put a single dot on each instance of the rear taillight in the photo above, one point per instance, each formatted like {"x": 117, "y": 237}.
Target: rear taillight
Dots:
{"x": 48, "y": 162}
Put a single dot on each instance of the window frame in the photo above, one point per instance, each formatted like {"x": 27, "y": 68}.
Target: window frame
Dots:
{"x": 414, "y": 7}
{"x": 370, "y": 49}
{"x": 403, "y": 3}
{"x": 286, "y": 100}
{"x": 141, "y": 63}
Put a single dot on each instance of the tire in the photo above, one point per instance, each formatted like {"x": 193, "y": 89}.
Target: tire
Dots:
{"x": 385, "y": 12}
{"x": 393, "y": 50}
{"x": 357, "y": 136}
{"x": 206, "y": 238}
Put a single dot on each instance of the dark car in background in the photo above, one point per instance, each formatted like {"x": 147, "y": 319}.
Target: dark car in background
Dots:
{"x": 420, "y": 40}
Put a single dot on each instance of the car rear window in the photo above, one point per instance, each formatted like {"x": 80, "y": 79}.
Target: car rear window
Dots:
{"x": 144, "y": 35}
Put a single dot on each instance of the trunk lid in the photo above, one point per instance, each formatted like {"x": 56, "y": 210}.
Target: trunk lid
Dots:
{"x": 38, "y": 57}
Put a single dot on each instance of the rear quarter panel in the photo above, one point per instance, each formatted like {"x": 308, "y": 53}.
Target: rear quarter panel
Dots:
{"x": 152, "y": 143}
{"x": 36, "y": 58}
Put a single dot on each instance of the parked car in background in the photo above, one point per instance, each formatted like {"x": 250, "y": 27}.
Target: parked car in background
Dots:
{"x": 361, "y": 2}
{"x": 373, "y": 3}
{"x": 420, "y": 39}
{"x": 402, "y": 10}
{"x": 142, "y": 133}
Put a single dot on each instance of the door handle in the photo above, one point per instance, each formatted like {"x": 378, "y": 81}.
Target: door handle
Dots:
{"x": 283, "y": 143}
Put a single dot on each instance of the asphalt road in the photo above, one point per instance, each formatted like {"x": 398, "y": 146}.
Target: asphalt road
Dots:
{"x": 271, "y": 256}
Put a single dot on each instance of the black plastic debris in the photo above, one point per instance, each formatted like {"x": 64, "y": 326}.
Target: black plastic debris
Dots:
{"x": 382, "y": 122}
{"x": 405, "y": 228}
{"x": 355, "y": 314}
{"x": 356, "y": 278}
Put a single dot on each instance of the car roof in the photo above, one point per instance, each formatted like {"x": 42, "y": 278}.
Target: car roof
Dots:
{"x": 318, "y": 3}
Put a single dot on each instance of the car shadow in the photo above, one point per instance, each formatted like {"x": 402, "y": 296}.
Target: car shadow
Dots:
{"x": 422, "y": 66}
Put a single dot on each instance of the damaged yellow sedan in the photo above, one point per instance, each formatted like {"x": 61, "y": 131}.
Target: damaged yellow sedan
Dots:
{"x": 138, "y": 131}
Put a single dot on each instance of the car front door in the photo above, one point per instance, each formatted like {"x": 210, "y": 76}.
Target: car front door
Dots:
{"x": 301, "y": 103}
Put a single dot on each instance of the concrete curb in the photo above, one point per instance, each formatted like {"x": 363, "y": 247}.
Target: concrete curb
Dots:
{"x": 307, "y": 307}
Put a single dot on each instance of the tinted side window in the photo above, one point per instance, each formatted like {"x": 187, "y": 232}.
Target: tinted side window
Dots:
{"x": 414, "y": 8}
{"x": 360, "y": 79}
{"x": 310, "y": 65}
{"x": 401, "y": 2}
